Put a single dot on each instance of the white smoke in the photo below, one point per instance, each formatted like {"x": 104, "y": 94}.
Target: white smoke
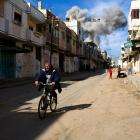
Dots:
{"x": 77, "y": 13}
{"x": 111, "y": 18}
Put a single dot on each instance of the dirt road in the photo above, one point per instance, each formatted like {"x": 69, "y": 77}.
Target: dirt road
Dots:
{"x": 92, "y": 109}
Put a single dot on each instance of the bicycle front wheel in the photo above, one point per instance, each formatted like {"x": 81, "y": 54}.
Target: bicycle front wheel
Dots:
{"x": 53, "y": 104}
{"x": 42, "y": 107}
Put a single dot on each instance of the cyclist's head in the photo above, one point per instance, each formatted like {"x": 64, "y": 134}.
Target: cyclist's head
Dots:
{"x": 48, "y": 66}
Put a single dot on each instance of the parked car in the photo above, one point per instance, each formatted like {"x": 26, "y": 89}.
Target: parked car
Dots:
{"x": 122, "y": 74}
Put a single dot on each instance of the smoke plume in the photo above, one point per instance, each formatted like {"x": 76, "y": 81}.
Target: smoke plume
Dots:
{"x": 77, "y": 13}
{"x": 102, "y": 20}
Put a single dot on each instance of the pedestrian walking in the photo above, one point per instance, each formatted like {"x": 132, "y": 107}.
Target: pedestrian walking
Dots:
{"x": 110, "y": 71}
{"x": 129, "y": 68}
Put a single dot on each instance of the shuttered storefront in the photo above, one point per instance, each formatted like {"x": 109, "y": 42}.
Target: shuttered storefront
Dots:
{"x": 7, "y": 64}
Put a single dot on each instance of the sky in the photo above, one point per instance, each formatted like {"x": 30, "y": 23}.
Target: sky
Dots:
{"x": 112, "y": 43}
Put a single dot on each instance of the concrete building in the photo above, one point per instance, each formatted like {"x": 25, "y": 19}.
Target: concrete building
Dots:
{"x": 75, "y": 26}
{"x": 31, "y": 36}
{"x": 21, "y": 39}
{"x": 52, "y": 38}
{"x": 131, "y": 49}
{"x": 62, "y": 45}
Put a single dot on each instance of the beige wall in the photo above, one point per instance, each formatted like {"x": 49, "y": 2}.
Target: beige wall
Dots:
{"x": 62, "y": 36}
{"x": 26, "y": 64}
{"x": 17, "y": 31}
{"x": 45, "y": 56}
{"x": 136, "y": 63}
{"x": 55, "y": 60}
{"x": 73, "y": 42}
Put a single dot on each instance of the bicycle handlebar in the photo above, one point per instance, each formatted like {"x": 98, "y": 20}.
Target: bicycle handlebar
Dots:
{"x": 48, "y": 84}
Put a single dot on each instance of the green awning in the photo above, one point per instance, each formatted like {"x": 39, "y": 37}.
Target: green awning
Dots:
{"x": 14, "y": 49}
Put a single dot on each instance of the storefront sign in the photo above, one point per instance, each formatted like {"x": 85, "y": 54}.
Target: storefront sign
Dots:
{"x": 128, "y": 44}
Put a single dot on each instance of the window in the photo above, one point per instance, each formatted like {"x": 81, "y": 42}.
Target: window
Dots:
{"x": 1, "y": 8}
{"x": 17, "y": 18}
{"x": 135, "y": 14}
{"x": 39, "y": 28}
{"x": 38, "y": 53}
{"x": 130, "y": 32}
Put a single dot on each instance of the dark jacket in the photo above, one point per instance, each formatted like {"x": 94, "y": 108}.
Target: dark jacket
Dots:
{"x": 55, "y": 77}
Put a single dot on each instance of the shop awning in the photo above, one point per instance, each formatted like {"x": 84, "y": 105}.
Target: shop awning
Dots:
{"x": 14, "y": 49}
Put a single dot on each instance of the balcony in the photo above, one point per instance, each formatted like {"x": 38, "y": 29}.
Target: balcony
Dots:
{"x": 17, "y": 31}
{"x": 35, "y": 38}
{"x": 35, "y": 14}
{"x": 12, "y": 29}
{"x": 135, "y": 36}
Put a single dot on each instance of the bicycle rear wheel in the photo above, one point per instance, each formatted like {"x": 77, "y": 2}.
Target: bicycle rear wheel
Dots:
{"x": 42, "y": 107}
{"x": 53, "y": 104}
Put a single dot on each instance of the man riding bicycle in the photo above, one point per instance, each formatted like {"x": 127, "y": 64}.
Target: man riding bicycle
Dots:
{"x": 49, "y": 75}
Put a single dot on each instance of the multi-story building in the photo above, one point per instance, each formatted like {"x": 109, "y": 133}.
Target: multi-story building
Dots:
{"x": 51, "y": 48}
{"x": 62, "y": 45}
{"x": 31, "y": 36}
{"x": 35, "y": 38}
{"x": 94, "y": 56}
{"x": 134, "y": 34}
{"x": 21, "y": 39}
{"x": 12, "y": 36}
{"x": 75, "y": 26}
{"x": 74, "y": 59}
{"x": 67, "y": 62}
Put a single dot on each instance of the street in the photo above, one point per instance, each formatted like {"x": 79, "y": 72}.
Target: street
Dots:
{"x": 92, "y": 108}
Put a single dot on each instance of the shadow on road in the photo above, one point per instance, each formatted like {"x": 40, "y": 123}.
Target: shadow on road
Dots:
{"x": 27, "y": 125}
{"x": 81, "y": 76}
{"x": 74, "y": 107}
{"x": 13, "y": 98}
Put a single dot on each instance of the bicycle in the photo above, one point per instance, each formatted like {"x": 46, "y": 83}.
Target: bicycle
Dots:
{"x": 46, "y": 100}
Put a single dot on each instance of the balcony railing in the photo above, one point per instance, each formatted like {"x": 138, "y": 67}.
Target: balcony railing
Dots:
{"x": 12, "y": 29}
{"x": 17, "y": 31}
{"x": 35, "y": 13}
{"x": 35, "y": 37}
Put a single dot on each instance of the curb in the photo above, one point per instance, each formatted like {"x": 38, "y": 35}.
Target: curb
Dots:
{"x": 15, "y": 82}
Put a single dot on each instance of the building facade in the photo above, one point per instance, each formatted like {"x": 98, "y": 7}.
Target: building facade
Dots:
{"x": 131, "y": 49}
{"x": 31, "y": 36}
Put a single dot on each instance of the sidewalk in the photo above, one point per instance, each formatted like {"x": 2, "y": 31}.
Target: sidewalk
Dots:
{"x": 15, "y": 82}
{"x": 135, "y": 80}
{"x": 77, "y": 76}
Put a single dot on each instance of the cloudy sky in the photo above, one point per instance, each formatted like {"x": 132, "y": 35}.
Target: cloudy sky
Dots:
{"x": 111, "y": 42}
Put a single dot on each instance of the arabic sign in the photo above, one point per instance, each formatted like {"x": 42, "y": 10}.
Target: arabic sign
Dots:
{"x": 128, "y": 44}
